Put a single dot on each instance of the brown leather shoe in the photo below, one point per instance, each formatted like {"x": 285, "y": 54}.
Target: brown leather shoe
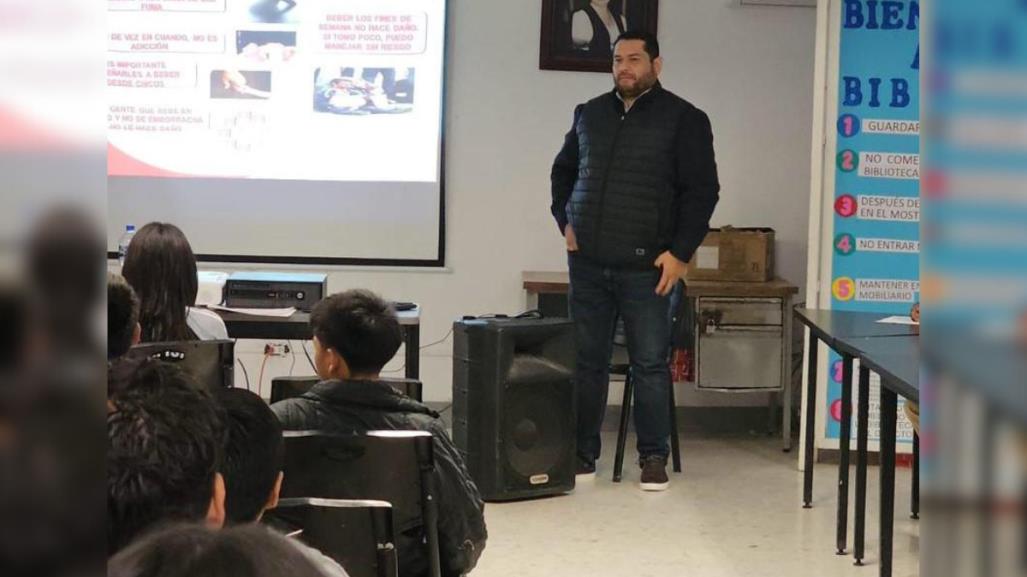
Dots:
{"x": 654, "y": 473}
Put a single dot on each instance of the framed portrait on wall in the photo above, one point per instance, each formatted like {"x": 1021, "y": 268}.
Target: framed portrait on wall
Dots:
{"x": 579, "y": 34}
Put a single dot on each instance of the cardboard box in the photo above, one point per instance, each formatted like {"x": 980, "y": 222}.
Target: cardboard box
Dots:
{"x": 734, "y": 254}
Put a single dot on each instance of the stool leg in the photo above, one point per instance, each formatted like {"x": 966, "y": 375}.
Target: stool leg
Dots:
{"x": 675, "y": 442}
{"x": 622, "y": 433}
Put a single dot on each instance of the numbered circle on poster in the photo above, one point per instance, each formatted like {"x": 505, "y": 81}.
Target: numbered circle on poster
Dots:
{"x": 836, "y": 410}
{"x": 848, "y": 125}
{"x": 843, "y": 288}
{"x": 845, "y": 205}
{"x": 836, "y": 371}
{"x": 848, "y": 160}
{"x": 845, "y": 244}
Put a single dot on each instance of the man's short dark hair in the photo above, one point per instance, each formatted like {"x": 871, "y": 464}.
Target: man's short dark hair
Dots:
{"x": 164, "y": 447}
{"x": 187, "y": 550}
{"x": 360, "y": 326}
{"x": 122, "y": 315}
{"x": 652, "y": 45}
{"x": 253, "y": 454}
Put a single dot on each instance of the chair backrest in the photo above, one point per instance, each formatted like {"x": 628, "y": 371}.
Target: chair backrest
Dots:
{"x": 288, "y": 387}
{"x": 392, "y": 466}
{"x": 357, "y": 534}
{"x": 211, "y": 363}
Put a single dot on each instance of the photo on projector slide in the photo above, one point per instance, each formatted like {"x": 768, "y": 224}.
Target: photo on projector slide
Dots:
{"x": 356, "y": 91}
{"x": 240, "y": 84}
{"x": 284, "y": 131}
{"x": 275, "y": 11}
{"x": 265, "y": 46}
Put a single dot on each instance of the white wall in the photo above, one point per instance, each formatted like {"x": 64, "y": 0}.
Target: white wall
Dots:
{"x": 749, "y": 68}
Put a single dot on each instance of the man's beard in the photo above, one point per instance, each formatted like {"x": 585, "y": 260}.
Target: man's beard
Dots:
{"x": 639, "y": 88}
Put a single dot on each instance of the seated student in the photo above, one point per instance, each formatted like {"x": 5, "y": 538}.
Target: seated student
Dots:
{"x": 252, "y": 466}
{"x": 193, "y": 550}
{"x": 164, "y": 449}
{"x": 254, "y": 453}
{"x": 161, "y": 267}
{"x": 355, "y": 335}
{"x": 123, "y": 328}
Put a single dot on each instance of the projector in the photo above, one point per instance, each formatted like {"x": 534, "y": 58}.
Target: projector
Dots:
{"x": 275, "y": 290}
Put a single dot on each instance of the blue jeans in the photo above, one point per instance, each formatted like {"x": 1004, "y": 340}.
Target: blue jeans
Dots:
{"x": 598, "y": 295}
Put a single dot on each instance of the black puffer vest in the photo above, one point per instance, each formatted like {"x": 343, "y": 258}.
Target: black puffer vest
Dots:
{"x": 623, "y": 206}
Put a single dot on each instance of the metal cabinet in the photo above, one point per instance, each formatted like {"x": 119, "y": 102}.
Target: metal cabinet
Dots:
{"x": 739, "y": 344}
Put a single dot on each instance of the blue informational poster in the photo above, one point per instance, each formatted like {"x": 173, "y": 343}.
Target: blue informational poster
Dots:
{"x": 876, "y": 241}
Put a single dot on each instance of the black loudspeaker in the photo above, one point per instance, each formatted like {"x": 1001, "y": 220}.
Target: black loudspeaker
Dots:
{"x": 514, "y": 409}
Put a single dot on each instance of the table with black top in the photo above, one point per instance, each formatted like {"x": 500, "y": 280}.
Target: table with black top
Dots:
{"x": 830, "y": 327}
{"x": 297, "y": 327}
{"x": 896, "y": 360}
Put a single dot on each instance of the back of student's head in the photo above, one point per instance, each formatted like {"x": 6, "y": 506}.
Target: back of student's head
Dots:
{"x": 122, "y": 315}
{"x": 198, "y": 551}
{"x": 64, "y": 268}
{"x": 164, "y": 448}
{"x": 360, "y": 326}
{"x": 161, "y": 267}
{"x": 253, "y": 455}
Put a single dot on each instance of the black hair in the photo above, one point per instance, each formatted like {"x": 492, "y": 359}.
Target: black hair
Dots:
{"x": 360, "y": 326}
{"x": 254, "y": 454}
{"x": 65, "y": 266}
{"x": 14, "y": 331}
{"x": 122, "y": 315}
{"x": 195, "y": 550}
{"x": 652, "y": 45}
{"x": 161, "y": 267}
{"x": 164, "y": 447}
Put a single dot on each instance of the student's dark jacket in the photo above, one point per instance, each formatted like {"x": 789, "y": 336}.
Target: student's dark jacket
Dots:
{"x": 635, "y": 184}
{"x": 353, "y": 407}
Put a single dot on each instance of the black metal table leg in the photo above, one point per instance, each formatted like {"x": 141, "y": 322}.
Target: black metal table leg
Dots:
{"x": 862, "y": 426}
{"x": 986, "y": 539}
{"x": 889, "y": 407}
{"x": 675, "y": 442}
{"x": 811, "y": 422}
{"x": 844, "y": 437}
{"x": 916, "y": 478}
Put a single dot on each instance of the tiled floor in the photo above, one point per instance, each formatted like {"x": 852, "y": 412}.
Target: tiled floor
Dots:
{"x": 734, "y": 511}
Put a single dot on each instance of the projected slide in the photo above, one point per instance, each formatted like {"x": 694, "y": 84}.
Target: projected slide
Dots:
{"x": 300, "y": 90}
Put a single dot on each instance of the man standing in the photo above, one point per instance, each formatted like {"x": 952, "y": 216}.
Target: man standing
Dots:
{"x": 633, "y": 188}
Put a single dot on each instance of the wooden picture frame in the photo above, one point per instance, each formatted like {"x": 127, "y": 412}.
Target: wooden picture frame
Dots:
{"x": 573, "y": 31}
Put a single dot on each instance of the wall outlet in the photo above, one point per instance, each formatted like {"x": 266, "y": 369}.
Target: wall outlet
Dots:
{"x": 277, "y": 349}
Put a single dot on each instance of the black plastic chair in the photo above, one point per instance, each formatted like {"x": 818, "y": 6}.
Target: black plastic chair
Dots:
{"x": 357, "y": 534}
{"x": 393, "y": 466}
{"x": 211, "y": 363}
{"x": 288, "y": 387}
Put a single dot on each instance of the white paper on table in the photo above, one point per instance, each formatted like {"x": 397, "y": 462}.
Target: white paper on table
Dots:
{"x": 276, "y": 313}
{"x": 210, "y": 287}
{"x": 898, "y": 320}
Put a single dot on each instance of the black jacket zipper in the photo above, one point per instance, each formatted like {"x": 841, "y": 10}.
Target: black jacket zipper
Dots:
{"x": 606, "y": 177}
